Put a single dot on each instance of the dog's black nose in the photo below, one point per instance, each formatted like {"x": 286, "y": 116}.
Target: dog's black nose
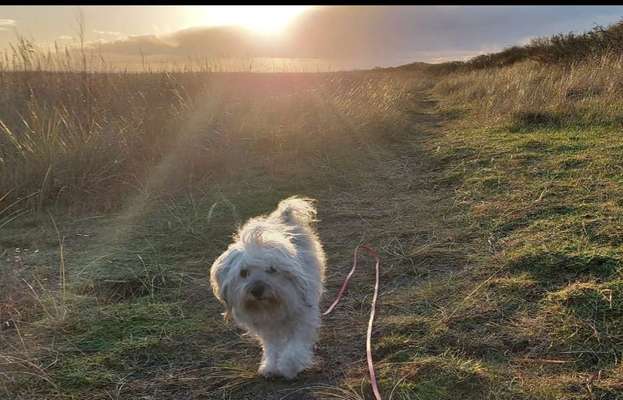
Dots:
{"x": 257, "y": 290}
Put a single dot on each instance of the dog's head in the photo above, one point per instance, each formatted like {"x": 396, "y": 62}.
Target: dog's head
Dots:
{"x": 259, "y": 276}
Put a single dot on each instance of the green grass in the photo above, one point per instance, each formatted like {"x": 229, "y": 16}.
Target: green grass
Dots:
{"x": 546, "y": 203}
{"x": 118, "y": 339}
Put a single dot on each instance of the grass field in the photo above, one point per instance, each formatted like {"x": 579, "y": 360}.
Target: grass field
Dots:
{"x": 494, "y": 197}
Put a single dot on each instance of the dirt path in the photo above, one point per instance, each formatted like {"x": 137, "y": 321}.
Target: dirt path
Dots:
{"x": 398, "y": 209}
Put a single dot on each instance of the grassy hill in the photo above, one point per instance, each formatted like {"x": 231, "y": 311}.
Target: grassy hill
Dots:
{"x": 560, "y": 49}
{"x": 493, "y": 194}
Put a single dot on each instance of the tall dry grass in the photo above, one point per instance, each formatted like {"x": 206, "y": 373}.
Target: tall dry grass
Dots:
{"x": 585, "y": 93}
{"x": 69, "y": 134}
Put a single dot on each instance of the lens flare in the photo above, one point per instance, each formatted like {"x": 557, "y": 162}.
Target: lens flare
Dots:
{"x": 260, "y": 19}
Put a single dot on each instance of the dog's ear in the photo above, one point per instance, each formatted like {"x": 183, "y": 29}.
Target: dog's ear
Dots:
{"x": 301, "y": 283}
{"x": 288, "y": 264}
{"x": 227, "y": 314}
{"x": 221, "y": 272}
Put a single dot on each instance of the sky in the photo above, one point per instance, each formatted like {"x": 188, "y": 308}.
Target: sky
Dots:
{"x": 366, "y": 36}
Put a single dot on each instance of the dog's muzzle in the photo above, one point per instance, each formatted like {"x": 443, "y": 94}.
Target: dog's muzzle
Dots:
{"x": 260, "y": 296}
{"x": 257, "y": 289}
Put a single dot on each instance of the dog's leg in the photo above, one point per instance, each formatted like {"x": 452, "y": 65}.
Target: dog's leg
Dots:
{"x": 299, "y": 350}
{"x": 296, "y": 357}
{"x": 271, "y": 348}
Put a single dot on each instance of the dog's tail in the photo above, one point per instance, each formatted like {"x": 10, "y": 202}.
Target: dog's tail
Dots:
{"x": 296, "y": 210}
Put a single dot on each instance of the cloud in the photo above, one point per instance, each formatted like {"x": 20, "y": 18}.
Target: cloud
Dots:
{"x": 222, "y": 41}
{"x": 107, "y": 33}
{"x": 525, "y": 40}
{"x": 374, "y": 35}
{"x": 6, "y": 24}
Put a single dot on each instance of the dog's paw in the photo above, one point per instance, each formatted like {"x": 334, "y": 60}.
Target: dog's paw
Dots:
{"x": 289, "y": 374}
{"x": 289, "y": 367}
{"x": 268, "y": 371}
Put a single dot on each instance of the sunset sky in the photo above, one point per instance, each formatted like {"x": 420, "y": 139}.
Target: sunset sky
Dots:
{"x": 367, "y": 36}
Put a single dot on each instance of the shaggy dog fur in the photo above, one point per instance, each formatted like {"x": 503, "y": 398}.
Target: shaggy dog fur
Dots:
{"x": 271, "y": 280}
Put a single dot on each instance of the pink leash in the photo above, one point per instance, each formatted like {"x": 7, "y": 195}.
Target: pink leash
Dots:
{"x": 373, "y": 253}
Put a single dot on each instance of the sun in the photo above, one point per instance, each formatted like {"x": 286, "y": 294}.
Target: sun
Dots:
{"x": 259, "y": 19}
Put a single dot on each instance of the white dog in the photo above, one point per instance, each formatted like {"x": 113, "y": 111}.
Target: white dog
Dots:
{"x": 271, "y": 280}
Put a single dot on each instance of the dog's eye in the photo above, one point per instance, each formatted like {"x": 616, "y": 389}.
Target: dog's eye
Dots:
{"x": 244, "y": 273}
{"x": 271, "y": 270}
